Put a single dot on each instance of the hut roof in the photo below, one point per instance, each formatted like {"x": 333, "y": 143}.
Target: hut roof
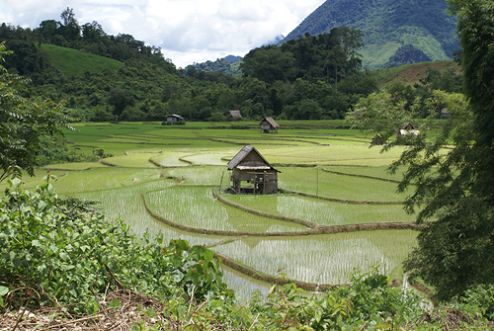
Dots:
{"x": 409, "y": 126}
{"x": 271, "y": 122}
{"x": 235, "y": 114}
{"x": 236, "y": 161}
{"x": 176, "y": 116}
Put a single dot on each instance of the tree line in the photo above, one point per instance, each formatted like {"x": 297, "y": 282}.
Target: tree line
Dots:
{"x": 310, "y": 78}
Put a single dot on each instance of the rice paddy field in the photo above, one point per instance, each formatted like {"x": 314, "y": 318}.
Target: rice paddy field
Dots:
{"x": 171, "y": 181}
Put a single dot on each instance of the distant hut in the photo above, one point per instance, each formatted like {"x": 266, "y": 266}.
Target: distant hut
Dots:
{"x": 252, "y": 170}
{"x": 445, "y": 114}
{"x": 408, "y": 130}
{"x": 269, "y": 125}
{"x": 174, "y": 119}
{"x": 234, "y": 115}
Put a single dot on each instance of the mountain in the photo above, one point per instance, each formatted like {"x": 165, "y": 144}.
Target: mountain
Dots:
{"x": 232, "y": 58}
{"x": 389, "y": 27}
{"x": 275, "y": 41}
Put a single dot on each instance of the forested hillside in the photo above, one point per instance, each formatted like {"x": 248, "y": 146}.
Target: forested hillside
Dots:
{"x": 229, "y": 65}
{"x": 111, "y": 78}
{"x": 395, "y": 32}
{"x": 100, "y": 77}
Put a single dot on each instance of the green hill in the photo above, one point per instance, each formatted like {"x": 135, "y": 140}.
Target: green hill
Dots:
{"x": 413, "y": 73}
{"x": 389, "y": 27}
{"x": 73, "y": 62}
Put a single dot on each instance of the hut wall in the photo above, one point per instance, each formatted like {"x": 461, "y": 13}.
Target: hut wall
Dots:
{"x": 268, "y": 180}
{"x": 265, "y": 126}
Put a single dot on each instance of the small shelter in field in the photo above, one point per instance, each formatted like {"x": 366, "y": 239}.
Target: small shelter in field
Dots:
{"x": 269, "y": 125}
{"x": 234, "y": 115}
{"x": 408, "y": 130}
{"x": 251, "y": 173}
{"x": 445, "y": 114}
{"x": 174, "y": 119}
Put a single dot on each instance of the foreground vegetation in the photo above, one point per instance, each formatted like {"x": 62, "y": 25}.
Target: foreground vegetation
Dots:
{"x": 72, "y": 258}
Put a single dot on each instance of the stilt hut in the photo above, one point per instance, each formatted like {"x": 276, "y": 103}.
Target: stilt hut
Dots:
{"x": 408, "y": 130}
{"x": 251, "y": 173}
{"x": 234, "y": 115}
{"x": 269, "y": 125}
{"x": 174, "y": 119}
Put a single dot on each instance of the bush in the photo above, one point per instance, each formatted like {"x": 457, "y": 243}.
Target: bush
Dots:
{"x": 63, "y": 252}
{"x": 479, "y": 301}
{"x": 368, "y": 304}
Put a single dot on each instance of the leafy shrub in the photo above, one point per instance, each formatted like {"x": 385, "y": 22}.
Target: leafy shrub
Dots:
{"x": 63, "y": 252}
{"x": 369, "y": 303}
{"x": 479, "y": 301}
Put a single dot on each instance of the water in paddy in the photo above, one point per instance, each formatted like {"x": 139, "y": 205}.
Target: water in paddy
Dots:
{"x": 318, "y": 259}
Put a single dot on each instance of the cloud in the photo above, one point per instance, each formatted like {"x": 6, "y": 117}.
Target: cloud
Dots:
{"x": 187, "y": 30}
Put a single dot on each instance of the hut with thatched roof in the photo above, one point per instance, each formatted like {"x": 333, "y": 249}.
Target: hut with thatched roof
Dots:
{"x": 251, "y": 173}
{"x": 269, "y": 125}
{"x": 174, "y": 119}
{"x": 408, "y": 130}
{"x": 234, "y": 115}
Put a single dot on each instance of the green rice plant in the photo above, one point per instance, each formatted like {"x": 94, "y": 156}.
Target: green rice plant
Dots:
{"x": 325, "y": 259}
{"x": 126, "y": 204}
{"x": 322, "y": 212}
{"x": 316, "y": 182}
{"x": 170, "y": 159}
{"x": 342, "y": 152}
{"x": 196, "y": 207}
{"x": 377, "y": 172}
{"x": 133, "y": 159}
{"x": 206, "y": 175}
{"x": 208, "y": 157}
{"x": 74, "y": 166}
{"x": 103, "y": 179}
{"x": 38, "y": 179}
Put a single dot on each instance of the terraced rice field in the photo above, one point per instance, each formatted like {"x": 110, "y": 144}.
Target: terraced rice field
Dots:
{"x": 320, "y": 211}
{"x": 163, "y": 180}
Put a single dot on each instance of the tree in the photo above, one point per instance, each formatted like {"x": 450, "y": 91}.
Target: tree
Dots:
{"x": 268, "y": 64}
{"x": 68, "y": 17}
{"x": 70, "y": 29}
{"x": 120, "y": 99}
{"x": 454, "y": 193}
{"x": 92, "y": 31}
{"x": 24, "y": 125}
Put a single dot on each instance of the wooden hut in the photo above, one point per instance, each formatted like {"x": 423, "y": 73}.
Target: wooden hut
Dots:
{"x": 445, "y": 113}
{"x": 234, "y": 115}
{"x": 408, "y": 130}
{"x": 251, "y": 173}
{"x": 269, "y": 125}
{"x": 174, "y": 119}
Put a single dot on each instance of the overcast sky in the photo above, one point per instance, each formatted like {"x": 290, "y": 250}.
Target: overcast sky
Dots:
{"x": 187, "y": 30}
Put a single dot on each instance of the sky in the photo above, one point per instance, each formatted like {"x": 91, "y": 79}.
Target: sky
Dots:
{"x": 188, "y": 31}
